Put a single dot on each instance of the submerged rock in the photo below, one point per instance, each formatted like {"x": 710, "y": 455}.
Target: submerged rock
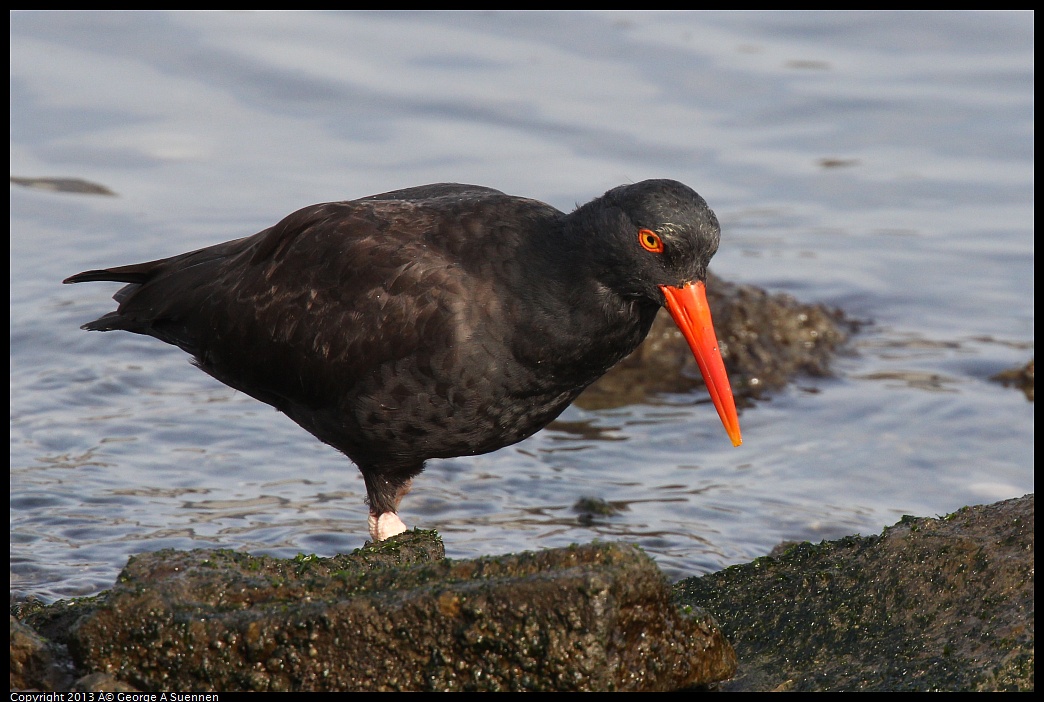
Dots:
{"x": 766, "y": 340}
{"x": 63, "y": 185}
{"x": 1021, "y": 378}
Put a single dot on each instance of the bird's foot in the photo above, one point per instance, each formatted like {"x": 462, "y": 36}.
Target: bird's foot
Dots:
{"x": 383, "y": 526}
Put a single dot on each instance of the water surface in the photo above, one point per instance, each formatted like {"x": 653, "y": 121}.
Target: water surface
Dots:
{"x": 877, "y": 162}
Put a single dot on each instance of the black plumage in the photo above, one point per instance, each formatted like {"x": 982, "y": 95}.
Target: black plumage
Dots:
{"x": 431, "y": 322}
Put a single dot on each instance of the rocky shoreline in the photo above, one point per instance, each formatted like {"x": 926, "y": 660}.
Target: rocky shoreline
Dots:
{"x": 930, "y": 604}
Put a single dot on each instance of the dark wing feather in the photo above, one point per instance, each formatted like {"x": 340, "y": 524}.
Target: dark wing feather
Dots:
{"x": 307, "y": 313}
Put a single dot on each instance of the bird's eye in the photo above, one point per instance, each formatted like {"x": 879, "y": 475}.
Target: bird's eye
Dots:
{"x": 650, "y": 241}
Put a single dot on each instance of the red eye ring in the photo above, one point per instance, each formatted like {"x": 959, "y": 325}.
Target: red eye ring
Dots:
{"x": 650, "y": 241}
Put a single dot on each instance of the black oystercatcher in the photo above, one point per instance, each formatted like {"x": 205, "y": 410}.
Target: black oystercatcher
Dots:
{"x": 431, "y": 322}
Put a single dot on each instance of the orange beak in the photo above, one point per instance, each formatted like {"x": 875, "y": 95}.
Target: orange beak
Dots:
{"x": 688, "y": 306}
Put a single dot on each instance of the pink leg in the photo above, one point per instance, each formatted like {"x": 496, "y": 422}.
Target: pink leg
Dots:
{"x": 385, "y": 525}
{"x": 388, "y": 524}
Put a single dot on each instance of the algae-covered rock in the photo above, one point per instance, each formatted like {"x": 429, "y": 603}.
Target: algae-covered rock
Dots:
{"x": 930, "y": 604}
{"x": 595, "y": 617}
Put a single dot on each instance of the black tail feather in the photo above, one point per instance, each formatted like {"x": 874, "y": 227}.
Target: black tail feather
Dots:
{"x": 123, "y": 274}
{"x": 110, "y": 322}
